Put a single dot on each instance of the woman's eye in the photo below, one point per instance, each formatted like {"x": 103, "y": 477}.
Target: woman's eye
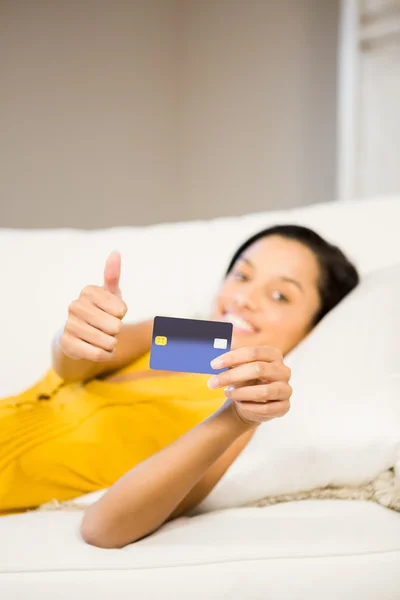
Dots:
{"x": 279, "y": 297}
{"x": 240, "y": 276}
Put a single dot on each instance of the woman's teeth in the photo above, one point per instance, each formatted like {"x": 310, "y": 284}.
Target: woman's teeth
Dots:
{"x": 238, "y": 322}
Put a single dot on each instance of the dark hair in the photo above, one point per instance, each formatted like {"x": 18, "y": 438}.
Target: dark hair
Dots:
{"x": 338, "y": 276}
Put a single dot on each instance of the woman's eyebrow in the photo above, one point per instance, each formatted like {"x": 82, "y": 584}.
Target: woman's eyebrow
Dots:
{"x": 246, "y": 260}
{"x": 283, "y": 277}
{"x": 294, "y": 281}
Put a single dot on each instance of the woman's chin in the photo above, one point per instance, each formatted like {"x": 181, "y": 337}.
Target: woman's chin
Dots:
{"x": 243, "y": 338}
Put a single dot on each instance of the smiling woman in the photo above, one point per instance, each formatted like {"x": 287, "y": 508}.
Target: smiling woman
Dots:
{"x": 101, "y": 418}
{"x": 279, "y": 284}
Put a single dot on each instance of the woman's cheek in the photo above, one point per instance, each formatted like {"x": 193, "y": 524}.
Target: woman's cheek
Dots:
{"x": 274, "y": 317}
{"x": 277, "y": 330}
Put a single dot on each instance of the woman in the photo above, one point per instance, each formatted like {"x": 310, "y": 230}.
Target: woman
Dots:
{"x": 162, "y": 440}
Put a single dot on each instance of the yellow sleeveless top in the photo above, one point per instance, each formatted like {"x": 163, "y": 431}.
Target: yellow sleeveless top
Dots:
{"x": 59, "y": 441}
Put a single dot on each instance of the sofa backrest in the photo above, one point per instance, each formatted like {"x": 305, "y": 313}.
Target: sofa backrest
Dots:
{"x": 168, "y": 269}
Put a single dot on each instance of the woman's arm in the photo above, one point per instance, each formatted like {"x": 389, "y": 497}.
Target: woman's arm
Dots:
{"x": 168, "y": 483}
{"x": 179, "y": 476}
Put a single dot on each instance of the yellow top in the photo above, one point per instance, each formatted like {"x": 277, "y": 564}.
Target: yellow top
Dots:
{"x": 59, "y": 441}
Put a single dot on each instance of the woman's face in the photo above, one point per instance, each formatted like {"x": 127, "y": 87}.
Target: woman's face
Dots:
{"x": 271, "y": 294}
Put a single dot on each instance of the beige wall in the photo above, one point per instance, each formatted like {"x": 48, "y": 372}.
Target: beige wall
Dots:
{"x": 260, "y": 104}
{"x": 88, "y": 111}
{"x": 133, "y": 112}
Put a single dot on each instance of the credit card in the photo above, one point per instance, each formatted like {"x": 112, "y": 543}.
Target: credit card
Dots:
{"x": 188, "y": 345}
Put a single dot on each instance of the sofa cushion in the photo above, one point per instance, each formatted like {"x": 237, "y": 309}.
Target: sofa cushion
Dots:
{"x": 312, "y": 549}
{"x": 344, "y": 424}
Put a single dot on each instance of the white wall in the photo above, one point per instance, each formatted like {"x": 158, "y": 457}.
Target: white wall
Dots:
{"x": 148, "y": 110}
{"x": 369, "y": 139}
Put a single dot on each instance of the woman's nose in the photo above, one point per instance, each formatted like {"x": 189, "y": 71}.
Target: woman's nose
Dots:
{"x": 245, "y": 300}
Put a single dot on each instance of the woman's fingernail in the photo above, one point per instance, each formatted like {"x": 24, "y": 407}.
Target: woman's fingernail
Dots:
{"x": 229, "y": 389}
{"x": 217, "y": 363}
{"x": 213, "y": 383}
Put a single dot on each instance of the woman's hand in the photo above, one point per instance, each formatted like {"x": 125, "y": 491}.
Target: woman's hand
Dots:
{"x": 257, "y": 382}
{"x": 94, "y": 319}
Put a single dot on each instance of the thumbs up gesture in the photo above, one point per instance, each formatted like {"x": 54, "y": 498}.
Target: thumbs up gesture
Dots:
{"x": 94, "y": 319}
{"x": 112, "y": 274}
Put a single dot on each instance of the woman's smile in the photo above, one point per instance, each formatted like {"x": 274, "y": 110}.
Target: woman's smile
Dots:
{"x": 241, "y": 325}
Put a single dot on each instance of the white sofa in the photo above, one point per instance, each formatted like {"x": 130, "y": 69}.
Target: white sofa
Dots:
{"x": 331, "y": 549}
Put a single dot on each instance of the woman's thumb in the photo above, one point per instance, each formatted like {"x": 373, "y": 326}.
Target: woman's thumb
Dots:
{"x": 112, "y": 273}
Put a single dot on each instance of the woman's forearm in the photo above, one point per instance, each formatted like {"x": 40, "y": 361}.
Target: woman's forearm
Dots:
{"x": 133, "y": 341}
{"x": 142, "y": 500}
{"x": 69, "y": 369}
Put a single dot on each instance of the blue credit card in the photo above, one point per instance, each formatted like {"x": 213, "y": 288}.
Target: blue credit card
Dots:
{"x": 188, "y": 345}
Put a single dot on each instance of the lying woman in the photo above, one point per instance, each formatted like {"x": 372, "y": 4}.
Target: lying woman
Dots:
{"x": 160, "y": 441}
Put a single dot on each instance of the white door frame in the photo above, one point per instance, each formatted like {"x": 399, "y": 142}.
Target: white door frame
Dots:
{"x": 348, "y": 86}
